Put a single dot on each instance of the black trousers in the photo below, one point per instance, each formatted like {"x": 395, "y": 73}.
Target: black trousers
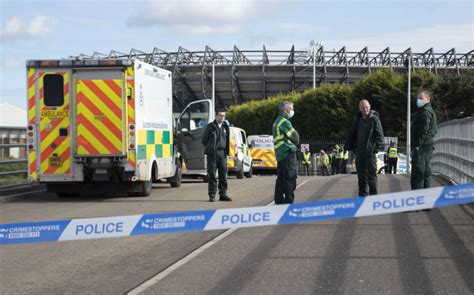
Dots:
{"x": 421, "y": 170}
{"x": 286, "y": 180}
{"x": 324, "y": 170}
{"x": 217, "y": 162}
{"x": 306, "y": 169}
{"x": 338, "y": 166}
{"x": 392, "y": 165}
{"x": 366, "y": 174}
{"x": 344, "y": 166}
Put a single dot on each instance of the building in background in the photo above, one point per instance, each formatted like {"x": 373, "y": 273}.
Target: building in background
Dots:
{"x": 12, "y": 131}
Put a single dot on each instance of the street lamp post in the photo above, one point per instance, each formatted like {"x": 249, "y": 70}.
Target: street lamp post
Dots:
{"x": 213, "y": 87}
{"x": 313, "y": 49}
{"x": 408, "y": 115}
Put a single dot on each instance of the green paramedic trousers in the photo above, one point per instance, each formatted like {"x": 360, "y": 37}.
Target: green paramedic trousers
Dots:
{"x": 421, "y": 170}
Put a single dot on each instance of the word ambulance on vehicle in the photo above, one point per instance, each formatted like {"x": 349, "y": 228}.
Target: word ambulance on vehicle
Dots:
{"x": 100, "y": 125}
{"x": 263, "y": 153}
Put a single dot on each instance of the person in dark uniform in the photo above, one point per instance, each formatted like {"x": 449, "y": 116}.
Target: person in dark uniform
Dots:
{"x": 366, "y": 138}
{"x": 306, "y": 162}
{"x": 333, "y": 161}
{"x": 285, "y": 139}
{"x": 423, "y": 130}
{"x": 216, "y": 140}
{"x": 392, "y": 158}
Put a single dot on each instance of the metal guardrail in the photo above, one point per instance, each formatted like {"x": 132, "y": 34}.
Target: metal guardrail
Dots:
{"x": 454, "y": 150}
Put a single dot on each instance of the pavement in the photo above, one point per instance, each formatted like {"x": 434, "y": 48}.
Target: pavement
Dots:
{"x": 407, "y": 253}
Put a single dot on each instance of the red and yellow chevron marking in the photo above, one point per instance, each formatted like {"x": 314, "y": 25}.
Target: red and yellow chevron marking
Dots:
{"x": 267, "y": 157}
{"x": 31, "y": 120}
{"x": 130, "y": 78}
{"x": 99, "y": 117}
{"x": 231, "y": 157}
{"x": 31, "y": 97}
{"x": 54, "y": 150}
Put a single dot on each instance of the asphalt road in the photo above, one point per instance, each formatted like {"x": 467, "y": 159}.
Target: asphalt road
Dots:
{"x": 408, "y": 253}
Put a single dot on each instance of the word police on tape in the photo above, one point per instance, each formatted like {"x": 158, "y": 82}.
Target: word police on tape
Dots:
{"x": 146, "y": 224}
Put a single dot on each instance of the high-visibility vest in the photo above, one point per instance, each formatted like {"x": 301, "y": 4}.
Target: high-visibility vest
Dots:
{"x": 326, "y": 160}
{"x": 339, "y": 154}
{"x": 346, "y": 155}
{"x": 392, "y": 153}
{"x": 306, "y": 157}
{"x": 282, "y": 129}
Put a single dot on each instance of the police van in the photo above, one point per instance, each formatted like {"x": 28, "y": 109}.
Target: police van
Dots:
{"x": 263, "y": 153}
{"x": 100, "y": 125}
{"x": 239, "y": 160}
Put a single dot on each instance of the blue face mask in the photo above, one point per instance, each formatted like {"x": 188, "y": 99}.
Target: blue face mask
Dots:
{"x": 291, "y": 114}
{"x": 420, "y": 103}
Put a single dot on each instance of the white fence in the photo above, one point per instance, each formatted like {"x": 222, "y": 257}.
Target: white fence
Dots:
{"x": 454, "y": 150}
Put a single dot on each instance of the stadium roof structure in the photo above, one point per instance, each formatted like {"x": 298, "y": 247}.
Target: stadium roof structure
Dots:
{"x": 243, "y": 75}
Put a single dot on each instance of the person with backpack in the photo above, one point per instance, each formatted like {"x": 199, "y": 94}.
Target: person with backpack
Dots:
{"x": 365, "y": 139}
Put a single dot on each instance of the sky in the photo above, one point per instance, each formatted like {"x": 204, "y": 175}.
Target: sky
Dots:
{"x": 54, "y": 29}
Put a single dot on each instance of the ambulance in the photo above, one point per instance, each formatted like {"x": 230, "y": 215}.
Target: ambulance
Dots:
{"x": 191, "y": 125}
{"x": 100, "y": 125}
{"x": 263, "y": 153}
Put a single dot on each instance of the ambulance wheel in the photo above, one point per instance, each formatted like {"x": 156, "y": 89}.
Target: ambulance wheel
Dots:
{"x": 249, "y": 174}
{"x": 240, "y": 172}
{"x": 205, "y": 179}
{"x": 145, "y": 188}
{"x": 175, "y": 181}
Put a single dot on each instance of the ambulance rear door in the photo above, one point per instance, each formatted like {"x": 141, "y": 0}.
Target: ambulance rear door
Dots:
{"x": 100, "y": 112}
{"x": 53, "y": 98}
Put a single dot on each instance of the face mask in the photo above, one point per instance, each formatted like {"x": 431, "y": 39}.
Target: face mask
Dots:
{"x": 420, "y": 103}
{"x": 291, "y": 114}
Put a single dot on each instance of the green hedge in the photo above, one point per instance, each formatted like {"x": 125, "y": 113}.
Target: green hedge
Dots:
{"x": 327, "y": 111}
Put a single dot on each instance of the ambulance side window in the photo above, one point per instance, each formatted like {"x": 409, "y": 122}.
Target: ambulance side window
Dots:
{"x": 53, "y": 90}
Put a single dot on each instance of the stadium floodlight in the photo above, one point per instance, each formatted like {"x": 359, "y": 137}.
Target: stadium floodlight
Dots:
{"x": 313, "y": 50}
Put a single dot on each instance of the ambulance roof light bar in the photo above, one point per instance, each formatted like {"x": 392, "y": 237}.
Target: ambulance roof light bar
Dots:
{"x": 78, "y": 63}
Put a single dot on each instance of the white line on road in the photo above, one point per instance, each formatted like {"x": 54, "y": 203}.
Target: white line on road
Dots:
{"x": 158, "y": 277}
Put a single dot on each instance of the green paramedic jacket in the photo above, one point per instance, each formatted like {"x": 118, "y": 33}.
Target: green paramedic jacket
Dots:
{"x": 423, "y": 128}
{"x": 375, "y": 135}
{"x": 285, "y": 137}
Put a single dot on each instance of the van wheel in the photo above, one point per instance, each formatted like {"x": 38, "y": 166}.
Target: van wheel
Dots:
{"x": 145, "y": 188}
{"x": 249, "y": 174}
{"x": 240, "y": 172}
{"x": 175, "y": 181}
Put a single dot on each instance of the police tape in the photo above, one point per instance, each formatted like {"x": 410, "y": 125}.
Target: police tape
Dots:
{"x": 150, "y": 224}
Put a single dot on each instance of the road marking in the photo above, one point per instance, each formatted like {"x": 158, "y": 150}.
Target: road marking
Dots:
{"x": 158, "y": 277}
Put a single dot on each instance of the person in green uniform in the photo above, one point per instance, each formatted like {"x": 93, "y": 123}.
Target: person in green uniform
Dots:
{"x": 366, "y": 138}
{"x": 285, "y": 139}
{"x": 423, "y": 130}
{"x": 216, "y": 140}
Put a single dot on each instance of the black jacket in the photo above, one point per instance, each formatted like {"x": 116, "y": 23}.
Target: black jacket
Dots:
{"x": 209, "y": 139}
{"x": 375, "y": 142}
{"x": 423, "y": 129}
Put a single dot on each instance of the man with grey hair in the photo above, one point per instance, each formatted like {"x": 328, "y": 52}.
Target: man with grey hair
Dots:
{"x": 366, "y": 139}
{"x": 285, "y": 139}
